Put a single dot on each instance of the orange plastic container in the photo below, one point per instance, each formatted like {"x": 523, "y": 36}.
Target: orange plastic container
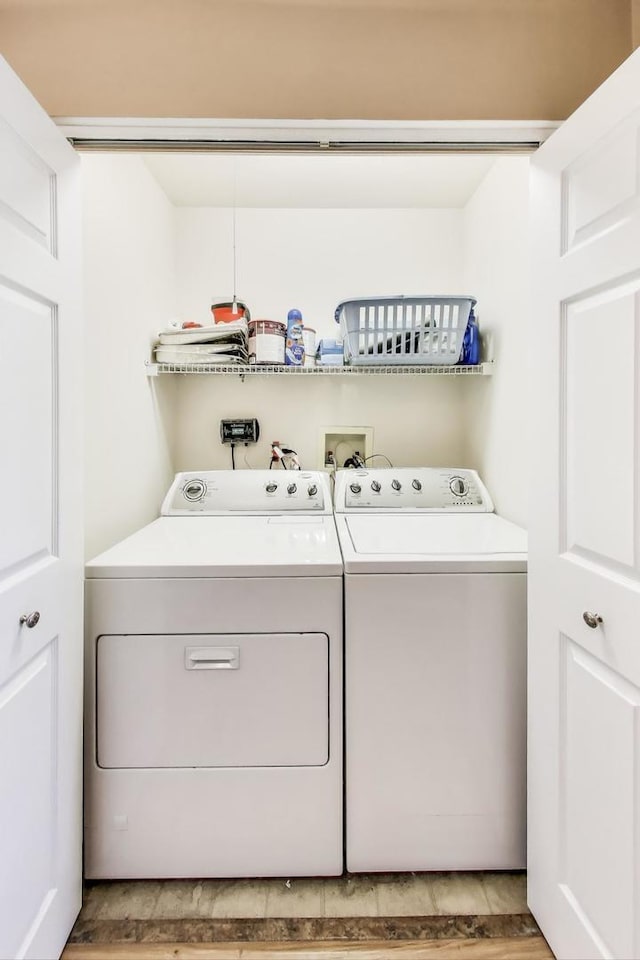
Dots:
{"x": 224, "y": 313}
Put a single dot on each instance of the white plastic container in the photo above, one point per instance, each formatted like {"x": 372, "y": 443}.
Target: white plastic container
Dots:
{"x": 309, "y": 340}
{"x": 330, "y": 353}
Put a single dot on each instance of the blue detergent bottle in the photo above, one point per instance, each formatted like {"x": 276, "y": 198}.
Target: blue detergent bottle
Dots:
{"x": 294, "y": 346}
{"x": 471, "y": 342}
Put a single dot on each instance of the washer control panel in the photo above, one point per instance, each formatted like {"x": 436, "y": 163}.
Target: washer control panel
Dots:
{"x": 412, "y": 489}
{"x": 251, "y": 492}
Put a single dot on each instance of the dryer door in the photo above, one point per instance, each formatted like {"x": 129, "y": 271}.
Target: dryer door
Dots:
{"x": 213, "y": 700}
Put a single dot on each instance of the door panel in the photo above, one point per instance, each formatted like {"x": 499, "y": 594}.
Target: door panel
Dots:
{"x": 28, "y": 793}
{"x": 600, "y": 726}
{"x": 28, "y": 514}
{"x": 207, "y": 700}
{"x": 27, "y": 188}
{"x": 601, "y": 188}
{"x": 600, "y": 425}
{"x": 40, "y": 519}
{"x": 584, "y": 681}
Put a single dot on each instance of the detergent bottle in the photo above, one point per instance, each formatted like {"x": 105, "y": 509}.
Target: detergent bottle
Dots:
{"x": 294, "y": 346}
{"x": 471, "y": 342}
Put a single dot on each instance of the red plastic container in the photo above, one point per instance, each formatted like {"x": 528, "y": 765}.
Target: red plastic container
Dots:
{"x": 223, "y": 312}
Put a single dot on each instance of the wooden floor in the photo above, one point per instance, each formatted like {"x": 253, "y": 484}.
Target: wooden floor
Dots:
{"x": 511, "y": 948}
{"x": 364, "y": 917}
{"x": 364, "y": 895}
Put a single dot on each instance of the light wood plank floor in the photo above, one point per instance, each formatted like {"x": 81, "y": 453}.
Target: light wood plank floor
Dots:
{"x": 513, "y": 948}
{"x": 456, "y": 915}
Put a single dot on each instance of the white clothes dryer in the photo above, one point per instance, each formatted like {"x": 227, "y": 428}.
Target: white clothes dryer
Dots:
{"x": 435, "y": 672}
{"x": 214, "y": 685}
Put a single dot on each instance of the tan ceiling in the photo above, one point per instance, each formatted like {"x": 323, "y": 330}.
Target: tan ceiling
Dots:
{"x": 316, "y": 59}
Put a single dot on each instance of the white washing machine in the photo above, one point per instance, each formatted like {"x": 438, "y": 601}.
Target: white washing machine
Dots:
{"x": 435, "y": 672}
{"x": 214, "y": 685}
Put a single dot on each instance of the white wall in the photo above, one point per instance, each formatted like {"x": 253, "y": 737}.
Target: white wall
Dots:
{"x": 147, "y": 262}
{"x": 496, "y": 264}
{"x": 415, "y": 420}
{"x": 311, "y": 259}
{"x": 129, "y": 274}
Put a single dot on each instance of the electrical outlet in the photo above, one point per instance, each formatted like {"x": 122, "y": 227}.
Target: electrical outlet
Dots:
{"x": 239, "y": 431}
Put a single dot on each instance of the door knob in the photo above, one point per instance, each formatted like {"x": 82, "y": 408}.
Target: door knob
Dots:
{"x": 30, "y": 618}
{"x": 592, "y": 620}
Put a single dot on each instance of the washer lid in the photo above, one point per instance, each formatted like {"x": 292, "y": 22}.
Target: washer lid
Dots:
{"x": 436, "y": 543}
{"x": 280, "y": 546}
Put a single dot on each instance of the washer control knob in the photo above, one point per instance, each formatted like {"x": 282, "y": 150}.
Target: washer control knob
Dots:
{"x": 194, "y": 490}
{"x": 375, "y": 486}
{"x": 312, "y": 489}
{"x": 355, "y": 487}
{"x": 271, "y": 487}
{"x": 458, "y": 486}
{"x": 396, "y": 485}
{"x": 291, "y": 488}
{"x": 416, "y": 484}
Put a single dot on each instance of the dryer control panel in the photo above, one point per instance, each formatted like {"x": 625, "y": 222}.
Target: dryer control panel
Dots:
{"x": 247, "y": 492}
{"x": 412, "y": 490}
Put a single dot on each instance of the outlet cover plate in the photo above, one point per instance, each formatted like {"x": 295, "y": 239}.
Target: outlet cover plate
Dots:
{"x": 343, "y": 441}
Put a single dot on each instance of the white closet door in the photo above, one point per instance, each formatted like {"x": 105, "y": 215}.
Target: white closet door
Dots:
{"x": 40, "y": 530}
{"x": 584, "y": 572}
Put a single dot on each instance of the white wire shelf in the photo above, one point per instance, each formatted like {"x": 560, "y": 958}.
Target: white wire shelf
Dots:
{"x": 377, "y": 370}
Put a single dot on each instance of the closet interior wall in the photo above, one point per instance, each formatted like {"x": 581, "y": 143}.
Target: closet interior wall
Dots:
{"x": 129, "y": 291}
{"x": 148, "y": 262}
{"x": 496, "y": 271}
{"x": 311, "y": 259}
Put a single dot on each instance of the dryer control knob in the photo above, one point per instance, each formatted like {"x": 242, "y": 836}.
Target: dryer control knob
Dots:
{"x": 271, "y": 487}
{"x": 416, "y": 485}
{"x": 458, "y": 486}
{"x": 312, "y": 489}
{"x": 355, "y": 487}
{"x": 396, "y": 485}
{"x": 291, "y": 488}
{"x": 194, "y": 490}
{"x": 375, "y": 486}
